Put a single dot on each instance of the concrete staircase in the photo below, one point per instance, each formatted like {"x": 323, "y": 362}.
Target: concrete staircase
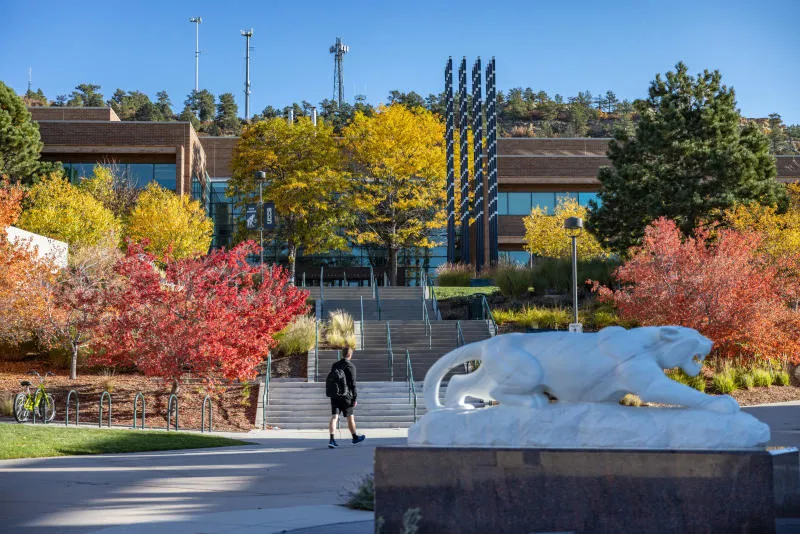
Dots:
{"x": 303, "y": 405}
{"x": 382, "y": 390}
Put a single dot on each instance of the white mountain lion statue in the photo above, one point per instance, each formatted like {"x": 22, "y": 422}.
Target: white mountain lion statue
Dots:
{"x": 587, "y": 374}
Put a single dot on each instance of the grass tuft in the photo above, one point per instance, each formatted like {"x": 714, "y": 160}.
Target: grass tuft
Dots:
{"x": 362, "y": 497}
{"x": 762, "y": 378}
{"x": 453, "y": 274}
{"x": 298, "y": 336}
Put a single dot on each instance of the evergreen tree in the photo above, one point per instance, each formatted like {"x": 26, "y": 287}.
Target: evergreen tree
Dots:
{"x": 688, "y": 160}
{"x": 779, "y": 142}
{"x": 227, "y": 115}
{"x": 86, "y": 95}
{"x": 187, "y": 115}
{"x": 164, "y": 106}
{"x": 20, "y": 143}
{"x": 202, "y": 104}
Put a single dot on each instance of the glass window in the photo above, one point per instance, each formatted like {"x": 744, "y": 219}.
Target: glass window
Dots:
{"x": 545, "y": 201}
{"x": 519, "y": 203}
{"x": 560, "y": 197}
{"x": 502, "y": 203}
{"x": 140, "y": 173}
{"x": 517, "y": 256}
{"x": 584, "y": 198}
{"x": 164, "y": 174}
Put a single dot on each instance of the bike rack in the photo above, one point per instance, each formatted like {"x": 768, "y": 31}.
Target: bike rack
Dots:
{"x": 105, "y": 395}
{"x": 172, "y": 397}
{"x": 203, "y": 415}
{"x": 77, "y": 408}
{"x": 138, "y": 396}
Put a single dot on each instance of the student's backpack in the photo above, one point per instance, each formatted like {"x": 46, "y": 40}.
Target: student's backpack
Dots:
{"x": 336, "y": 383}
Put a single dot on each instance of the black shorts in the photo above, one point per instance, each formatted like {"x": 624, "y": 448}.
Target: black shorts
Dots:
{"x": 343, "y": 405}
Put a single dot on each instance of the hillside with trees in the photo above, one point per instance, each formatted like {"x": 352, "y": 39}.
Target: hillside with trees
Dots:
{"x": 522, "y": 112}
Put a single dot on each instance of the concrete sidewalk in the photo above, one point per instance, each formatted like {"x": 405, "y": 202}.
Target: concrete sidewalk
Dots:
{"x": 284, "y": 482}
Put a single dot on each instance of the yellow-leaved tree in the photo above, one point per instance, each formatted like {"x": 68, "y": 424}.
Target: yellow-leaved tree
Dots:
{"x": 169, "y": 223}
{"x": 397, "y": 159}
{"x": 780, "y": 232}
{"x": 302, "y": 164}
{"x": 545, "y": 235}
{"x": 59, "y": 210}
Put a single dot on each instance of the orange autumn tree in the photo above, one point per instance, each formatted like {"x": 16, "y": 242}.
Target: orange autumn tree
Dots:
{"x": 24, "y": 276}
{"x": 726, "y": 289}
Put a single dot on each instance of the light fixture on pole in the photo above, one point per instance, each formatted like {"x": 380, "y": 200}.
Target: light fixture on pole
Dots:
{"x": 261, "y": 176}
{"x": 573, "y": 227}
{"x": 197, "y": 21}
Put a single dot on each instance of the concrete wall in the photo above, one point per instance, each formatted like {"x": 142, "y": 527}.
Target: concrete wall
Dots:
{"x": 44, "y": 246}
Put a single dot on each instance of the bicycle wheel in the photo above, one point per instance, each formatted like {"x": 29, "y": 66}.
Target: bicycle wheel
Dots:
{"x": 47, "y": 408}
{"x": 21, "y": 414}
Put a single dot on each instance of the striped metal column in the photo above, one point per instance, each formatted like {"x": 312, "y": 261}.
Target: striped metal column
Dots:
{"x": 451, "y": 175}
{"x": 464, "y": 157}
{"x": 491, "y": 118}
{"x": 477, "y": 138}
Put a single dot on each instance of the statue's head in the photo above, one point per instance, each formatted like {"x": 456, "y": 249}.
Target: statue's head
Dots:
{"x": 682, "y": 347}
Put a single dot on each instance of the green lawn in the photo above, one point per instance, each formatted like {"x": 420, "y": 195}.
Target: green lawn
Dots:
{"x": 450, "y": 292}
{"x": 28, "y": 441}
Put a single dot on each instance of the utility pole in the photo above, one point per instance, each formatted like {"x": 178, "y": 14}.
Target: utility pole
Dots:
{"x": 196, "y": 21}
{"x": 247, "y": 35}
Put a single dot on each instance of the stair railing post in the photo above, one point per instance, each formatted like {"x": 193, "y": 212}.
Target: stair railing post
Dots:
{"x": 362, "y": 322}
{"x": 316, "y": 350}
{"x": 265, "y": 398}
{"x": 389, "y": 350}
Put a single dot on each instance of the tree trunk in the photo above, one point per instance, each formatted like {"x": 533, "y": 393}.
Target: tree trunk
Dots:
{"x": 393, "y": 265}
{"x": 293, "y": 261}
{"x": 176, "y": 386}
{"x": 73, "y": 365}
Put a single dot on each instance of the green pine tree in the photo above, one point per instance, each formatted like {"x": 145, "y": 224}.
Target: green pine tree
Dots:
{"x": 20, "y": 143}
{"x": 688, "y": 160}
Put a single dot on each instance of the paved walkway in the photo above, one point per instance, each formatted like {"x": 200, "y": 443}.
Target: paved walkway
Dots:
{"x": 284, "y": 482}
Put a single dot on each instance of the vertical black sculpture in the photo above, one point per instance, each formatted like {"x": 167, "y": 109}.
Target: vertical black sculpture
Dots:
{"x": 451, "y": 214}
{"x": 477, "y": 139}
{"x": 464, "y": 157}
{"x": 491, "y": 120}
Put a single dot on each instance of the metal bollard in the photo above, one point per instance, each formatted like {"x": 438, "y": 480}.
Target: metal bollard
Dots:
{"x": 172, "y": 397}
{"x": 138, "y": 396}
{"x": 77, "y": 407}
{"x": 203, "y": 415}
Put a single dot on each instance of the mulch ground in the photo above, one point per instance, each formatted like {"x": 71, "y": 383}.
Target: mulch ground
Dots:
{"x": 233, "y": 404}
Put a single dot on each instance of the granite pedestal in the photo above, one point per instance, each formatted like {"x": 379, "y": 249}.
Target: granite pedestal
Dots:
{"x": 521, "y": 491}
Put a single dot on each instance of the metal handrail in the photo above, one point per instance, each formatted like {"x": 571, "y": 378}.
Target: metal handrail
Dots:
{"x": 362, "y": 322}
{"x": 389, "y": 351}
{"x": 203, "y": 415}
{"x": 265, "y": 398}
{"x": 316, "y": 349}
{"x": 432, "y": 296}
{"x": 459, "y": 335}
{"x": 77, "y": 407}
{"x": 412, "y": 386}
{"x": 378, "y": 300}
{"x": 372, "y": 280}
{"x": 172, "y": 397}
{"x": 426, "y": 318}
{"x": 322, "y": 283}
{"x": 487, "y": 314}
{"x": 138, "y": 396}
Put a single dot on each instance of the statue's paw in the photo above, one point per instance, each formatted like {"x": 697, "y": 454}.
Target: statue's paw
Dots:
{"x": 722, "y": 404}
{"x": 466, "y": 406}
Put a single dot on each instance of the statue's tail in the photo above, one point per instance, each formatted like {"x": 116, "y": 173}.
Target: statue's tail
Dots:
{"x": 434, "y": 376}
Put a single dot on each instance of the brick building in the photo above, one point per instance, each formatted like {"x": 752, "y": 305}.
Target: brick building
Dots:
{"x": 531, "y": 172}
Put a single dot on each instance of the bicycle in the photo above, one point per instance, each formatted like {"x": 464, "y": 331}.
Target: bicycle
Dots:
{"x": 38, "y": 402}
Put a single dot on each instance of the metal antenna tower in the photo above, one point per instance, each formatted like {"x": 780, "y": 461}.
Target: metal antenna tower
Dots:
{"x": 30, "y": 80}
{"x": 247, "y": 35}
{"x": 197, "y": 21}
{"x": 338, "y": 50}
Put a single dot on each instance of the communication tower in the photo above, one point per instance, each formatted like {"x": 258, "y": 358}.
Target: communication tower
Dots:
{"x": 338, "y": 50}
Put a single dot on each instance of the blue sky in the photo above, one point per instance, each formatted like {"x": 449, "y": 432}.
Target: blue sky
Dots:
{"x": 559, "y": 47}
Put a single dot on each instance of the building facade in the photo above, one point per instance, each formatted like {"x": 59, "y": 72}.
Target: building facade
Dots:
{"x": 531, "y": 172}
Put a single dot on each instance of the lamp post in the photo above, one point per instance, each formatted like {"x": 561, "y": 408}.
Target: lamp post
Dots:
{"x": 261, "y": 176}
{"x": 573, "y": 227}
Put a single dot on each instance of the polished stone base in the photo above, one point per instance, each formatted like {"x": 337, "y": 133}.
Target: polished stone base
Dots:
{"x": 479, "y": 490}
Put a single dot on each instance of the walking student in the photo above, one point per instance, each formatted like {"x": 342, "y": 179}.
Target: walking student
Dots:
{"x": 340, "y": 386}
